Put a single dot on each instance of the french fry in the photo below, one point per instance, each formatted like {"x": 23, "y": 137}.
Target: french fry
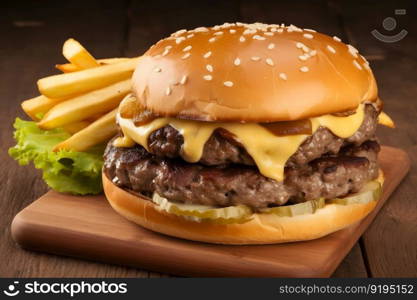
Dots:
{"x": 87, "y": 105}
{"x": 386, "y": 120}
{"x": 112, "y": 60}
{"x": 98, "y": 132}
{"x": 75, "y": 127}
{"x": 68, "y": 68}
{"x": 95, "y": 117}
{"x": 76, "y": 54}
{"x": 39, "y": 106}
{"x": 70, "y": 84}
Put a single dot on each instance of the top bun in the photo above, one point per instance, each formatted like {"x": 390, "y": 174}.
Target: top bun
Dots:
{"x": 252, "y": 73}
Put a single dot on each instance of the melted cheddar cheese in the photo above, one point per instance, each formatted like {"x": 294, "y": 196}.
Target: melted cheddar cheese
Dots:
{"x": 270, "y": 152}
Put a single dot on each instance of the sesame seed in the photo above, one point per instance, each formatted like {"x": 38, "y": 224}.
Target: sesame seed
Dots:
{"x": 299, "y": 45}
{"x": 183, "y": 79}
{"x": 271, "y": 46}
{"x": 209, "y": 68}
{"x": 179, "y": 40}
{"x": 303, "y": 57}
{"x": 232, "y": 31}
{"x": 280, "y": 30}
{"x": 294, "y": 28}
{"x": 249, "y": 31}
{"x": 190, "y": 36}
{"x": 255, "y": 58}
{"x": 211, "y": 40}
{"x": 188, "y": 48}
{"x": 283, "y": 76}
{"x": 201, "y": 29}
{"x": 157, "y": 70}
{"x": 308, "y": 35}
{"x": 186, "y": 55}
{"x": 207, "y": 77}
{"x": 269, "y": 33}
{"x": 258, "y": 37}
{"x": 313, "y": 52}
{"x": 273, "y": 29}
{"x": 242, "y": 39}
{"x": 331, "y": 49}
{"x": 357, "y": 65}
{"x": 168, "y": 47}
{"x": 304, "y": 69}
{"x": 311, "y": 30}
{"x": 179, "y": 32}
{"x": 207, "y": 55}
{"x": 166, "y": 51}
{"x": 352, "y": 50}
{"x": 365, "y": 63}
{"x": 168, "y": 91}
{"x": 337, "y": 39}
{"x": 269, "y": 61}
{"x": 228, "y": 83}
{"x": 218, "y": 33}
{"x": 289, "y": 29}
{"x": 237, "y": 61}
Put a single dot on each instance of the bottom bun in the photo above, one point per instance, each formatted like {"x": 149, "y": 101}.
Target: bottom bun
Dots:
{"x": 261, "y": 229}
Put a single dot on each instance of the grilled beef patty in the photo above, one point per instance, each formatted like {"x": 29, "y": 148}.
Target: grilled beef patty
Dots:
{"x": 328, "y": 176}
{"x": 221, "y": 148}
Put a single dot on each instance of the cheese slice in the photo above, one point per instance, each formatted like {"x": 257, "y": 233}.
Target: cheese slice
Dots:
{"x": 270, "y": 152}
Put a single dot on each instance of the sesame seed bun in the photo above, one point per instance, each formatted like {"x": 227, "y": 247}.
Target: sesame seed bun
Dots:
{"x": 262, "y": 229}
{"x": 252, "y": 73}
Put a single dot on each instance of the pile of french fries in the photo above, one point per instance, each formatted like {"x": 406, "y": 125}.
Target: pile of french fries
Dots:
{"x": 84, "y": 99}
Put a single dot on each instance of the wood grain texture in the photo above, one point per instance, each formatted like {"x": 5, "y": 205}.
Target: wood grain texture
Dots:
{"x": 33, "y": 34}
{"x": 88, "y": 227}
{"x": 390, "y": 243}
{"x": 151, "y": 21}
{"x": 314, "y": 14}
{"x": 352, "y": 265}
{"x": 323, "y": 16}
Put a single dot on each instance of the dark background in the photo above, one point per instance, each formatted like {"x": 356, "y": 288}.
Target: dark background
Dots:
{"x": 32, "y": 34}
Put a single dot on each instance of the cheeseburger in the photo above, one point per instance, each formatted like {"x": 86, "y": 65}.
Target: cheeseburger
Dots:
{"x": 247, "y": 134}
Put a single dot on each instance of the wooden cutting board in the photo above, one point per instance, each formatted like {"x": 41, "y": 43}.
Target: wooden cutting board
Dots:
{"x": 87, "y": 227}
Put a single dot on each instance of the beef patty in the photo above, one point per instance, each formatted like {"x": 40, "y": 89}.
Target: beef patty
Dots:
{"x": 328, "y": 176}
{"x": 221, "y": 148}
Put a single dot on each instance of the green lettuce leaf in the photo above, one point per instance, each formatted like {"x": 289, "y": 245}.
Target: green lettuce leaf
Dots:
{"x": 64, "y": 171}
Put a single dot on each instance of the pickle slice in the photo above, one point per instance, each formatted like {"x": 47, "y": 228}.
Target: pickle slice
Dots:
{"x": 224, "y": 215}
{"x": 241, "y": 213}
{"x": 370, "y": 192}
{"x": 308, "y": 207}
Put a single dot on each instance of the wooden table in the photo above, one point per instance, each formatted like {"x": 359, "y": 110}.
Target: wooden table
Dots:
{"x": 32, "y": 34}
